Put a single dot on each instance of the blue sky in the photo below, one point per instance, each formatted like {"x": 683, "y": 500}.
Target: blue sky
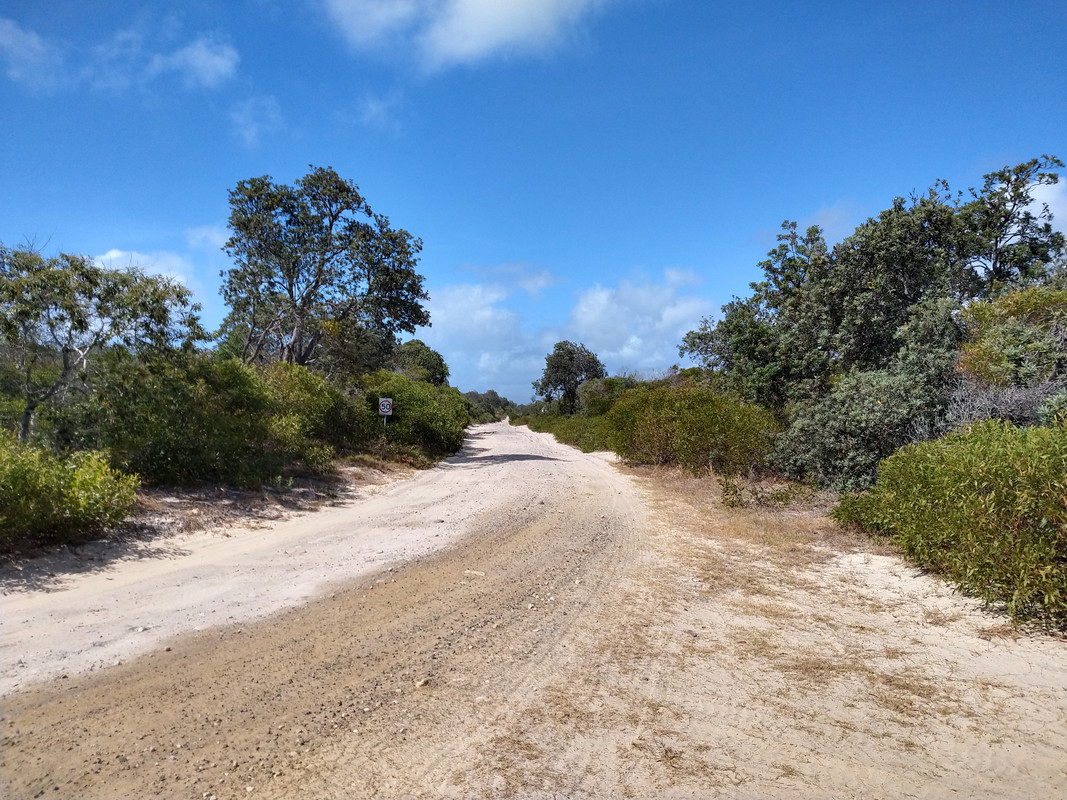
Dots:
{"x": 605, "y": 171}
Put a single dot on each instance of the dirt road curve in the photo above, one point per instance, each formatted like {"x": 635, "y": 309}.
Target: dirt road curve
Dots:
{"x": 538, "y": 622}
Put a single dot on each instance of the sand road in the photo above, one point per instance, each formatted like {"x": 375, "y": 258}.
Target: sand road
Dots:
{"x": 524, "y": 620}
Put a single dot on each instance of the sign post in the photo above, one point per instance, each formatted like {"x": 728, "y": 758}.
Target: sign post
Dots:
{"x": 385, "y": 408}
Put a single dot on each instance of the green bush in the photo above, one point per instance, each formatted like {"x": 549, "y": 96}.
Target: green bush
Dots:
{"x": 985, "y": 506}
{"x": 694, "y": 427}
{"x": 586, "y": 433}
{"x": 175, "y": 420}
{"x": 839, "y": 439}
{"x": 598, "y": 395}
{"x": 431, "y": 418}
{"x": 311, "y": 420}
{"x": 47, "y": 500}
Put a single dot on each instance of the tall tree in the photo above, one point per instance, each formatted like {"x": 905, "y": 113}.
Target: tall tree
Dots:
{"x": 1011, "y": 242}
{"x": 422, "y": 362}
{"x": 55, "y": 313}
{"x": 566, "y": 368}
{"x": 312, "y": 262}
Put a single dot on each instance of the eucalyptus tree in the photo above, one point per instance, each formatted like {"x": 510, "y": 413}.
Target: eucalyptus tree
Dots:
{"x": 56, "y": 313}
{"x": 313, "y": 264}
{"x": 566, "y": 368}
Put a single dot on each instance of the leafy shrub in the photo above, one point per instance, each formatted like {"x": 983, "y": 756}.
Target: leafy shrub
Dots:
{"x": 586, "y": 433}
{"x": 1054, "y": 409}
{"x": 1017, "y": 338}
{"x": 176, "y": 420}
{"x": 597, "y": 396}
{"x": 839, "y": 439}
{"x": 311, "y": 419}
{"x": 695, "y": 427}
{"x": 48, "y": 500}
{"x": 433, "y": 418}
{"x": 985, "y": 506}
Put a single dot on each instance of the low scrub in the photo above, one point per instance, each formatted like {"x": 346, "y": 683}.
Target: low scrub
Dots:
{"x": 986, "y": 507}
{"x": 431, "y": 418}
{"x": 586, "y": 433}
{"x": 697, "y": 428}
{"x": 47, "y": 500}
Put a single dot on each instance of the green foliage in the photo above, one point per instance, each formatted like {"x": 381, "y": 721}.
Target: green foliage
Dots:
{"x": 1018, "y": 338}
{"x": 310, "y": 419}
{"x": 597, "y": 395}
{"x": 489, "y": 406}
{"x": 985, "y": 506}
{"x": 314, "y": 263}
{"x": 566, "y": 368}
{"x": 1006, "y": 243}
{"x": 416, "y": 360}
{"x": 432, "y": 418}
{"x": 838, "y": 440}
{"x": 829, "y": 333}
{"x": 1054, "y": 410}
{"x": 588, "y": 434}
{"x": 46, "y": 500}
{"x": 175, "y": 420}
{"x": 57, "y": 312}
{"x": 697, "y": 428}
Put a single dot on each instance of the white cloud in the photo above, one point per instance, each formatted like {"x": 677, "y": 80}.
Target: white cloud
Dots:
{"x": 637, "y": 326}
{"x": 369, "y": 23}
{"x": 115, "y": 64}
{"x": 377, "y": 111}
{"x": 468, "y": 31}
{"x": 1055, "y": 197}
{"x": 634, "y": 326}
{"x": 205, "y": 62}
{"x": 445, "y": 33}
{"x": 162, "y": 262}
{"x": 253, "y": 118}
{"x": 187, "y": 269}
{"x": 210, "y": 238}
{"x": 28, "y": 58}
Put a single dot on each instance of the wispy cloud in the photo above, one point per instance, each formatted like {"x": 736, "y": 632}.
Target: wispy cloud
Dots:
{"x": 637, "y": 325}
{"x": 126, "y": 59}
{"x": 205, "y": 62}
{"x": 165, "y": 263}
{"x": 1055, "y": 197}
{"x": 446, "y": 33}
{"x": 27, "y": 58}
{"x": 251, "y": 119}
{"x": 210, "y": 238}
{"x": 483, "y": 332}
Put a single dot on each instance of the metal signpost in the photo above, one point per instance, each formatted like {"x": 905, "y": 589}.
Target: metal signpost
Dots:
{"x": 385, "y": 408}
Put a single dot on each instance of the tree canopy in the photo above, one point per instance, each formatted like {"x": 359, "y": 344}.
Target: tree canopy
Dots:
{"x": 314, "y": 265}
{"x": 566, "y": 368}
{"x": 857, "y": 344}
{"x": 56, "y": 312}
{"x": 416, "y": 359}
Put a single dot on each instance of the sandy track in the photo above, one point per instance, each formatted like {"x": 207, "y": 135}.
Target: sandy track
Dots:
{"x": 588, "y": 633}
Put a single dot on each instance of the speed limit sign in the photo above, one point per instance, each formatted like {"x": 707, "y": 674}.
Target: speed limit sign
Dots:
{"x": 385, "y": 406}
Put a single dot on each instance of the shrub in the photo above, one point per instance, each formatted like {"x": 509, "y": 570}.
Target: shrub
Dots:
{"x": 432, "y": 418}
{"x": 47, "y": 500}
{"x": 986, "y": 506}
{"x": 175, "y": 420}
{"x": 586, "y": 433}
{"x": 838, "y": 440}
{"x": 695, "y": 427}
{"x": 598, "y": 395}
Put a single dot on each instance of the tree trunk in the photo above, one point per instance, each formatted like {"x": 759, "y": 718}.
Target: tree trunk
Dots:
{"x": 28, "y": 418}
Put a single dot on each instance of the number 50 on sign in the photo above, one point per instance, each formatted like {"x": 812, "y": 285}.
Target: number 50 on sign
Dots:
{"x": 385, "y": 406}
